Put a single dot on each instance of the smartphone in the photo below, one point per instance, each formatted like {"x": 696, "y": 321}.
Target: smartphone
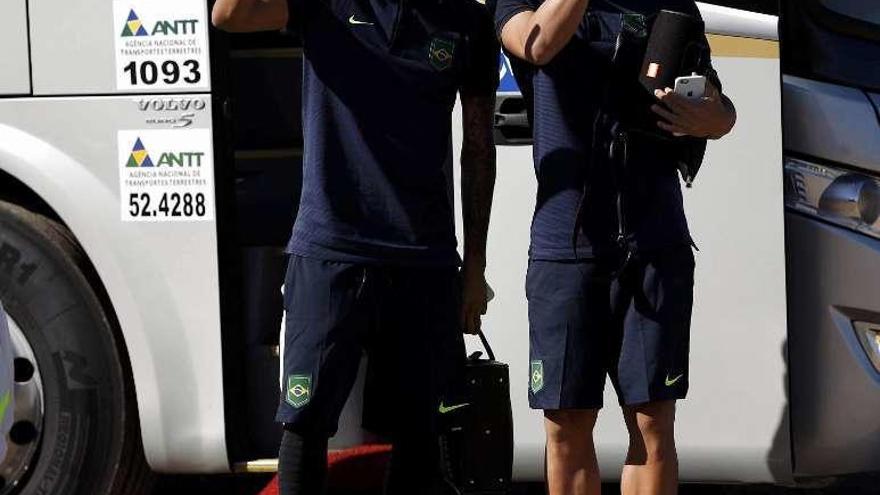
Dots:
{"x": 691, "y": 87}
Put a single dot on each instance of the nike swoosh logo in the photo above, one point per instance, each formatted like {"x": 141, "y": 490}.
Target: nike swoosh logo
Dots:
{"x": 670, "y": 383}
{"x": 445, "y": 410}
{"x": 353, "y": 21}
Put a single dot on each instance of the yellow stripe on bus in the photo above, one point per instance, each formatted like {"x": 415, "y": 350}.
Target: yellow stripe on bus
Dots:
{"x": 734, "y": 46}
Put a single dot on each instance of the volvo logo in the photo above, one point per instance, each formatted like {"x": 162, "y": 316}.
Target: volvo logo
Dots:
{"x": 172, "y": 104}
{"x": 188, "y": 107}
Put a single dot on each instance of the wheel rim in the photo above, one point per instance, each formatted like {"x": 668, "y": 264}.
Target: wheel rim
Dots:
{"x": 26, "y": 435}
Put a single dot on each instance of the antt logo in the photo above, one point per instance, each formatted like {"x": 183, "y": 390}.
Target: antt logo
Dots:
{"x": 140, "y": 158}
{"x": 135, "y": 27}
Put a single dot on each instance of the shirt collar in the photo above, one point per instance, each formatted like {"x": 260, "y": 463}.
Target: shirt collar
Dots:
{"x": 387, "y": 15}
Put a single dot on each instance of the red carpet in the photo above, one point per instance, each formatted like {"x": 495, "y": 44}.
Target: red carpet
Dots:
{"x": 352, "y": 470}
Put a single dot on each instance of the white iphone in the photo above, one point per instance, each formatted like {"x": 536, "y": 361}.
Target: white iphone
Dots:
{"x": 691, "y": 87}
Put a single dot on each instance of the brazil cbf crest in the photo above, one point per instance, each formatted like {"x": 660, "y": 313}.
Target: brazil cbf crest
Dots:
{"x": 441, "y": 53}
{"x": 299, "y": 390}
{"x": 536, "y": 376}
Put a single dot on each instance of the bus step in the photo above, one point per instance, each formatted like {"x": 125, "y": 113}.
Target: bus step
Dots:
{"x": 258, "y": 466}
{"x": 370, "y": 458}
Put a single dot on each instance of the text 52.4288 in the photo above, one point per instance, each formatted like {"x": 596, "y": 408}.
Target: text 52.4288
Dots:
{"x": 166, "y": 205}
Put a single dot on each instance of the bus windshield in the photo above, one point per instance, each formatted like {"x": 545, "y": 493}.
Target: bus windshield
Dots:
{"x": 856, "y": 9}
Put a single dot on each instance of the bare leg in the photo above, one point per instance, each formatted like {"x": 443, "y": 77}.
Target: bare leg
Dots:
{"x": 571, "y": 456}
{"x": 652, "y": 462}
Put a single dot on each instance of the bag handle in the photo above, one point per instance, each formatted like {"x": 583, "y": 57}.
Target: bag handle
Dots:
{"x": 486, "y": 345}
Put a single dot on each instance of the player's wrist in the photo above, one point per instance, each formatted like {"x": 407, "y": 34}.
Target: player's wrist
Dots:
{"x": 724, "y": 126}
{"x": 474, "y": 264}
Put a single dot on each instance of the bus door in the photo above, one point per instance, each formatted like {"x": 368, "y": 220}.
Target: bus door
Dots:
{"x": 259, "y": 89}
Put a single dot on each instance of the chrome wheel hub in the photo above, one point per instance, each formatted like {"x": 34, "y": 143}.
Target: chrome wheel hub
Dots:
{"x": 25, "y": 437}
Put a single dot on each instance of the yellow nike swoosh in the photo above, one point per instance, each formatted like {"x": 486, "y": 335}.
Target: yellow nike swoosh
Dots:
{"x": 352, "y": 20}
{"x": 444, "y": 410}
{"x": 670, "y": 383}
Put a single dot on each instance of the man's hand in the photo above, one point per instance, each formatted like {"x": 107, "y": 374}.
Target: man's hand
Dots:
{"x": 474, "y": 297}
{"x": 712, "y": 116}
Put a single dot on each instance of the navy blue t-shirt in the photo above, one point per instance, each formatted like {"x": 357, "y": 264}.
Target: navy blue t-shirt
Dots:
{"x": 380, "y": 81}
{"x": 576, "y": 213}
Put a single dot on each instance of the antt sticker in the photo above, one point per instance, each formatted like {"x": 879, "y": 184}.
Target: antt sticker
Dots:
{"x": 161, "y": 44}
{"x": 166, "y": 175}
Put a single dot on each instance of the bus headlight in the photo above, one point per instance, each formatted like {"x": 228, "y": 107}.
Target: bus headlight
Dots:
{"x": 869, "y": 336}
{"x": 842, "y": 197}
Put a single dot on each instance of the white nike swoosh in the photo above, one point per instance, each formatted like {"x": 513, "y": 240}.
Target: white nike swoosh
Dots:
{"x": 352, "y": 20}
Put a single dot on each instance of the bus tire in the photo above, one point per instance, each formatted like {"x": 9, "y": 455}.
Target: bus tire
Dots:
{"x": 89, "y": 440}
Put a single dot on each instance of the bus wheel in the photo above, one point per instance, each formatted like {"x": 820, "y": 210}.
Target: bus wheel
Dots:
{"x": 75, "y": 428}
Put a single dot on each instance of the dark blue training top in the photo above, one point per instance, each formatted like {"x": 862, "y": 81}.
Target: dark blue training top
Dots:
{"x": 563, "y": 98}
{"x": 380, "y": 81}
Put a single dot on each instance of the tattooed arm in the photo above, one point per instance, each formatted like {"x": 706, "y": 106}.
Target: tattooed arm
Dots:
{"x": 477, "y": 188}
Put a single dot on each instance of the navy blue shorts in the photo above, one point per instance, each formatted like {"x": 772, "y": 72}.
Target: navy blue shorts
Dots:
{"x": 406, "y": 320}
{"x": 591, "y": 319}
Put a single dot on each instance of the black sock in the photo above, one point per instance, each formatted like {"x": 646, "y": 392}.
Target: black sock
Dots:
{"x": 415, "y": 467}
{"x": 302, "y": 464}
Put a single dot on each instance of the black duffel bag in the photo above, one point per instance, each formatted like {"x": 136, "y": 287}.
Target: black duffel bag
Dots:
{"x": 476, "y": 430}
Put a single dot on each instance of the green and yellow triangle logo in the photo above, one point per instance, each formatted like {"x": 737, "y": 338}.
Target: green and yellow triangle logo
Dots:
{"x": 139, "y": 156}
{"x": 133, "y": 26}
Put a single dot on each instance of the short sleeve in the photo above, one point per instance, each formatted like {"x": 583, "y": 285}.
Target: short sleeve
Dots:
{"x": 704, "y": 60}
{"x": 483, "y": 52}
{"x": 503, "y": 10}
{"x": 706, "y": 67}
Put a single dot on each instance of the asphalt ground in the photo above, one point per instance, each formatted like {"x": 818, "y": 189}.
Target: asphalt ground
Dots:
{"x": 254, "y": 485}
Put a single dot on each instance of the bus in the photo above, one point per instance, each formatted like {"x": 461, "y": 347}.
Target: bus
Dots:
{"x": 150, "y": 168}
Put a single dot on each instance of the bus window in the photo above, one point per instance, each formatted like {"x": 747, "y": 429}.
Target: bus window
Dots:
{"x": 852, "y": 17}
{"x": 511, "y": 121}
{"x": 832, "y": 41}
{"x": 857, "y": 10}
